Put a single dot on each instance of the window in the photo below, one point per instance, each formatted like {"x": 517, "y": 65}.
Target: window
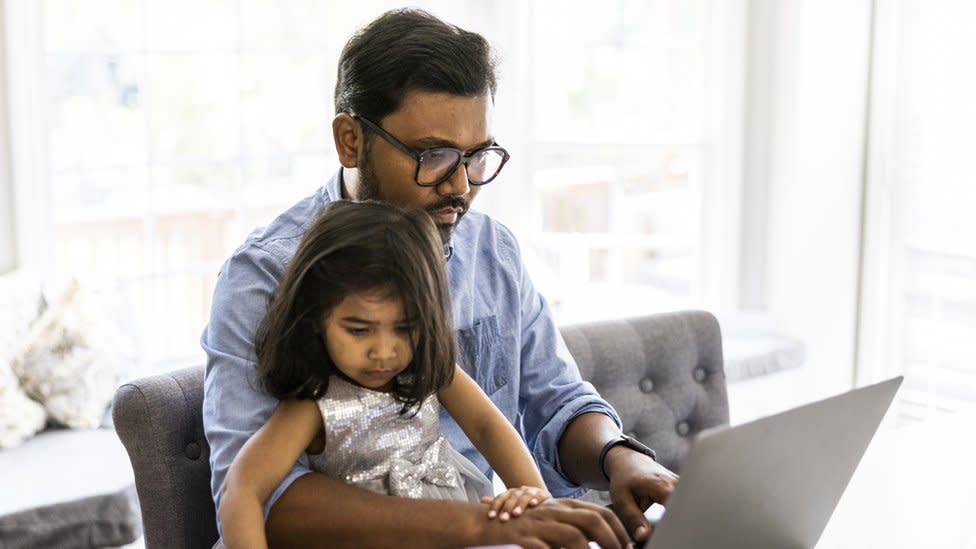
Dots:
{"x": 160, "y": 132}
{"x": 168, "y": 130}
{"x": 626, "y": 132}
{"x": 920, "y": 277}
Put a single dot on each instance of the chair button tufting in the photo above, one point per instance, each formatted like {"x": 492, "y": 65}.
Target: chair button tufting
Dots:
{"x": 646, "y": 385}
{"x": 700, "y": 374}
{"x": 192, "y": 451}
{"x": 683, "y": 428}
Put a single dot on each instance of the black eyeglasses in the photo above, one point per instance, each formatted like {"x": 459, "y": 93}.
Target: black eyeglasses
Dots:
{"x": 434, "y": 166}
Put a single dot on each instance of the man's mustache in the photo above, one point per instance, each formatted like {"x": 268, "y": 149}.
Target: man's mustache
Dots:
{"x": 449, "y": 202}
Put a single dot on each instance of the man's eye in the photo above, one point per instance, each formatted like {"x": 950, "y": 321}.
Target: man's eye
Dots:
{"x": 439, "y": 157}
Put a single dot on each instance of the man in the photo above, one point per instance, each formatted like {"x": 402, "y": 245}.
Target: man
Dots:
{"x": 414, "y": 101}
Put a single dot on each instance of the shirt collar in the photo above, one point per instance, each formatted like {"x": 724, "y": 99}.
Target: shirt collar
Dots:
{"x": 333, "y": 189}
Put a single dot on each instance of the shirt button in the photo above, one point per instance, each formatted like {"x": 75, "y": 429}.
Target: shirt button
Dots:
{"x": 646, "y": 385}
{"x": 683, "y": 428}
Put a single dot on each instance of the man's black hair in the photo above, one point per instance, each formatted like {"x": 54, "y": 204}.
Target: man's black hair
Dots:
{"x": 406, "y": 50}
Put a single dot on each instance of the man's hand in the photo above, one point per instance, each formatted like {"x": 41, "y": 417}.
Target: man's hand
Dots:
{"x": 636, "y": 481}
{"x": 566, "y": 523}
{"x": 318, "y": 511}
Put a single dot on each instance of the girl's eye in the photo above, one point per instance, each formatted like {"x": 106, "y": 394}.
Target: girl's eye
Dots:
{"x": 406, "y": 328}
{"x": 357, "y": 331}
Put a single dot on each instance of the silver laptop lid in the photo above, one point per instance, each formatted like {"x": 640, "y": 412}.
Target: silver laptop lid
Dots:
{"x": 773, "y": 482}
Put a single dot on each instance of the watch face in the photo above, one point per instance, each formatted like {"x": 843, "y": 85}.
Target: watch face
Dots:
{"x": 638, "y": 446}
{"x": 627, "y": 441}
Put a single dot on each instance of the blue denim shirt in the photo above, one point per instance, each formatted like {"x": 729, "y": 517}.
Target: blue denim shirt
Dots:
{"x": 507, "y": 342}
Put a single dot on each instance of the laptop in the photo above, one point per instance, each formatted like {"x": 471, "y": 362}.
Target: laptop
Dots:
{"x": 773, "y": 482}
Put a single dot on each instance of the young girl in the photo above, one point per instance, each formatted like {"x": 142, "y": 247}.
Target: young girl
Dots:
{"x": 358, "y": 346}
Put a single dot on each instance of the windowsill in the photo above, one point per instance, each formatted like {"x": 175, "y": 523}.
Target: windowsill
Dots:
{"x": 752, "y": 355}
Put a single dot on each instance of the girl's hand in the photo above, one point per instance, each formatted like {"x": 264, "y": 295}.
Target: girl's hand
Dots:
{"x": 514, "y": 501}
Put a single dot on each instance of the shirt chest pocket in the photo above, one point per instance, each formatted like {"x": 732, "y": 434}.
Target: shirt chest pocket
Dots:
{"x": 485, "y": 354}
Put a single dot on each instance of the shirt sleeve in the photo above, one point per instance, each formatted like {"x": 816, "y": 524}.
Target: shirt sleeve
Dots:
{"x": 234, "y": 405}
{"x": 552, "y": 392}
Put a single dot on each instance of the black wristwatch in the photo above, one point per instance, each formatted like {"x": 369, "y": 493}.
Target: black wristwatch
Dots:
{"x": 627, "y": 441}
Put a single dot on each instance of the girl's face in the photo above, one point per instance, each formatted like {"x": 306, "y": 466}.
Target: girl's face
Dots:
{"x": 368, "y": 338}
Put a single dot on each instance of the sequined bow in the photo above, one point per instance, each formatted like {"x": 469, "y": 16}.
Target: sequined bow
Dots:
{"x": 407, "y": 479}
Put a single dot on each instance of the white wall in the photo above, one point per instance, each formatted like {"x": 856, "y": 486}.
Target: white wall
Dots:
{"x": 8, "y": 256}
{"x": 8, "y": 240}
{"x": 806, "y": 110}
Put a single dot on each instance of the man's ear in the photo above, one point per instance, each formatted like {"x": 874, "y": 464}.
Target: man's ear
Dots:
{"x": 348, "y": 136}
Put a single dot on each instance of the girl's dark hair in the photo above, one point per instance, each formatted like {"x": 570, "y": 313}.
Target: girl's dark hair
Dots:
{"x": 405, "y": 50}
{"x": 353, "y": 247}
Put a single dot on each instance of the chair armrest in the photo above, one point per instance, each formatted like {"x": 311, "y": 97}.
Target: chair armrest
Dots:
{"x": 160, "y": 422}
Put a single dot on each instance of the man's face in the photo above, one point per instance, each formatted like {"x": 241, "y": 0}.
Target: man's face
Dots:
{"x": 426, "y": 120}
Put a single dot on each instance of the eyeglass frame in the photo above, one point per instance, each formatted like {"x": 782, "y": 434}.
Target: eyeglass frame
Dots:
{"x": 463, "y": 157}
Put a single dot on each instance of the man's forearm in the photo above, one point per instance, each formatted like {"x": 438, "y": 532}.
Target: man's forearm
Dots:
{"x": 318, "y": 511}
{"x": 580, "y": 445}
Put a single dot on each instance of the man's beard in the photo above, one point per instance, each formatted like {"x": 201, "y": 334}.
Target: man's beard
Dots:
{"x": 369, "y": 189}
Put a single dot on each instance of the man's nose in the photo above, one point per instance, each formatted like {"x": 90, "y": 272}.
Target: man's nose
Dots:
{"x": 457, "y": 184}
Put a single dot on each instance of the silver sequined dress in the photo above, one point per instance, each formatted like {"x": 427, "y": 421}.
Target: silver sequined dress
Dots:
{"x": 369, "y": 444}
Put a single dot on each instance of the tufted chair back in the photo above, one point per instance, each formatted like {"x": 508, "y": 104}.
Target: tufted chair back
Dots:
{"x": 663, "y": 373}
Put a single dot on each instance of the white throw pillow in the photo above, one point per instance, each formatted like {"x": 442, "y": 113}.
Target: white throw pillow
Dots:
{"x": 21, "y": 301}
{"x": 72, "y": 360}
{"x": 20, "y": 417}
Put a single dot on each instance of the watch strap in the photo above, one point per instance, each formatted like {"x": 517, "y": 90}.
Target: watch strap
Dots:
{"x": 629, "y": 442}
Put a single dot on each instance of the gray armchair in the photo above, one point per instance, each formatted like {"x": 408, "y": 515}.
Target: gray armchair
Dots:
{"x": 663, "y": 373}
